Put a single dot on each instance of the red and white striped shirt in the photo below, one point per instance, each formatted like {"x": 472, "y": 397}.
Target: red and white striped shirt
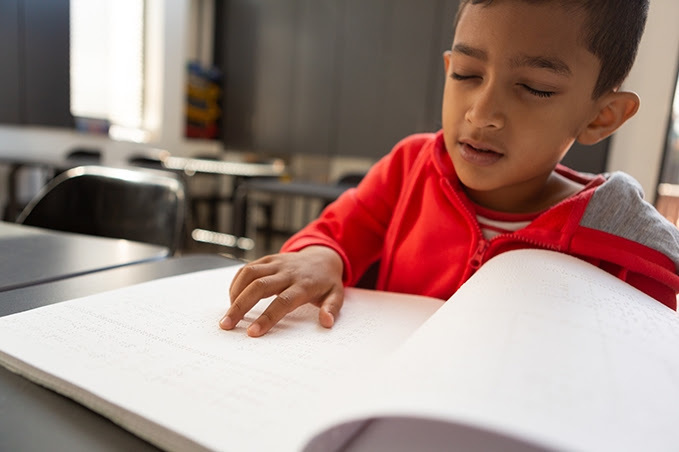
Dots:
{"x": 494, "y": 223}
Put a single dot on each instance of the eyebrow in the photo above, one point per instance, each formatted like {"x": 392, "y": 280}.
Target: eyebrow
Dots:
{"x": 470, "y": 51}
{"x": 553, "y": 64}
{"x": 556, "y": 65}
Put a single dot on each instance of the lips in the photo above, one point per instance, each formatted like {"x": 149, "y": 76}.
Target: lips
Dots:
{"x": 478, "y": 153}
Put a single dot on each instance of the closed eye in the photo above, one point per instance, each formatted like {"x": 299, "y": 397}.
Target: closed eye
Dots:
{"x": 536, "y": 92}
{"x": 532, "y": 91}
{"x": 456, "y": 76}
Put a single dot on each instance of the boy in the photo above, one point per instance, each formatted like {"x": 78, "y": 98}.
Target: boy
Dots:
{"x": 525, "y": 79}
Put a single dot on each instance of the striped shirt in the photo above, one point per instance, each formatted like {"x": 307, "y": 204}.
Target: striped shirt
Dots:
{"x": 494, "y": 223}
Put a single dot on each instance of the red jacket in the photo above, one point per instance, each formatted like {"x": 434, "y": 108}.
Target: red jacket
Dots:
{"x": 411, "y": 213}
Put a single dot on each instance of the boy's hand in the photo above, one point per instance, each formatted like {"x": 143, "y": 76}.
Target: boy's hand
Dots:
{"x": 311, "y": 275}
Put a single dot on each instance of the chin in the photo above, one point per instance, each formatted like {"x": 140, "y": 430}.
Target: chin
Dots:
{"x": 477, "y": 185}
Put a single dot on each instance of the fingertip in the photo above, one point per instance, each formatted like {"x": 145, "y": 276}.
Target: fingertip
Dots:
{"x": 254, "y": 330}
{"x": 330, "y": 309}
{"x": 226, "y": 323}
{"x": 326, "y": 318}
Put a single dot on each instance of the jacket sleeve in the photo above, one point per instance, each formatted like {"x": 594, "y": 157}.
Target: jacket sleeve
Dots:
{"x": 625, "y": 235}
{"x": 647, "y": 269}
{"x": 356, "y": 223}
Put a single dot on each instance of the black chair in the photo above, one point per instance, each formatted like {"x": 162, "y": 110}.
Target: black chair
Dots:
{"x": 85, "y": 155}
{"x": 345, "y": 182}
{"x": 135, "y": 204}
{"x": 147, "y": 158}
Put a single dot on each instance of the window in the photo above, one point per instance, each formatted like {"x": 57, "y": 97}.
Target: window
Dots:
{"x": 667, "y": 200}
{"x": 107, "y": 63}
{"x": 670, "y": 170}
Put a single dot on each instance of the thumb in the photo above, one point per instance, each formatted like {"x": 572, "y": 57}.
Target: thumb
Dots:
{"x": 330, "y": 308}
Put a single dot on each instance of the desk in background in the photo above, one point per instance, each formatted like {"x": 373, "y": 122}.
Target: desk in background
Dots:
{"x": 325, "y": 193}
{"x": 240, "y": 173}
{"x": 31, "y": 255}
{"x": 35, "y": 418}
{"x": 191, "y": 166}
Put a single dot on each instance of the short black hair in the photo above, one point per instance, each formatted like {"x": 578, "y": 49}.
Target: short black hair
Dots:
{"x": 612, "y": 32}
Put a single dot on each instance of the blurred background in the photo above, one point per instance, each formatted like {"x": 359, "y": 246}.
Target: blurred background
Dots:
{"x": 265, "y": 110}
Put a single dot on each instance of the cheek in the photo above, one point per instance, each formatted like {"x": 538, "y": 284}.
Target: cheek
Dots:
{"x": 555, "y": 125}
{"x": 545, "y": 141}
{"x": 567, "y": 119}
{"x": 448, "y": 116}
{"x": 452, "y": 108}
{"x": 448, "y": 102}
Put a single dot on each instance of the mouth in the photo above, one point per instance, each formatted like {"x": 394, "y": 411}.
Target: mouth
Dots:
{"x": 478, "y": 153}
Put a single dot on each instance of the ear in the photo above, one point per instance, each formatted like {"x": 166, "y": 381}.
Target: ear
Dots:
{"x": 446, "y": 60}
{"x": 614, "y": 109}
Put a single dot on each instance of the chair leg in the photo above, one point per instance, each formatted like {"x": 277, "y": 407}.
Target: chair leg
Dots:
{"x": 268, "y": 228}
{"x": 12, "y": 207}
{"x": 240, "y": 206}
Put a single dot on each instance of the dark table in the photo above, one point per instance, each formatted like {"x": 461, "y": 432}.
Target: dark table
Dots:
{"x": 30, "y": 255}
{"x": 35, "y": 418}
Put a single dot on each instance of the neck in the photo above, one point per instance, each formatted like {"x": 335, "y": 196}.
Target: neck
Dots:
{"x": 530, "y": 197}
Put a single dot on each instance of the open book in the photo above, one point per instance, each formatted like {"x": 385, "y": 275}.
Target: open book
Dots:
{"x": 536, "y": 351}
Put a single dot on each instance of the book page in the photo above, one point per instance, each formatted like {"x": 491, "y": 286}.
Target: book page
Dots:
{"x": 539, "y": 347}
{"x": 152, "y": 358}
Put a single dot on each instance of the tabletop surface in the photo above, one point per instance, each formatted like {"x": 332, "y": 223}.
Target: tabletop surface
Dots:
{"x": 223, "y": 167}
{"x": 30, "y": 255}
{"x": 52, "y": 161}
{"x": 328, "y": 192}
{"x": 35, "y": 418}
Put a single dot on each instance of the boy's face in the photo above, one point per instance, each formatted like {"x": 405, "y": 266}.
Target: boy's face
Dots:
{"x": 518, "y": 93}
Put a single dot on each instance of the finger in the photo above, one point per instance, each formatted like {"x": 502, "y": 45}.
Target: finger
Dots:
{"x": 286, "y": 302}
{"x": 235, "y": 278}
{"x": 330, "y": 308}
{"x": 236, "y": 286}
{"x": 258, "y": 289}
{"x": 246, "y": 275}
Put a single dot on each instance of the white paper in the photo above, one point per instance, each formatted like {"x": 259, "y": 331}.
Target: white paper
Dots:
{"x": 537, "y": 346}
{"x": 156, "y": 351}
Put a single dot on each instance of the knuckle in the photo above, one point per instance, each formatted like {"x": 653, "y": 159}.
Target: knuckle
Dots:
{"x": 269, "y": 319}
{"x": 236, "y": 307}
{"x": 249, "y": 271}
{"x": 261, "y": 284}
{"x": 286, "y": 300}
{"x": 267, "y": 259}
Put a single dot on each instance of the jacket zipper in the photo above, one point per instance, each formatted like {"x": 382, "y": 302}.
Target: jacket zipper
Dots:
{"x": 477, "y": 259}
{"x": 484, "y": 244}
{"x": 479, "y": 256}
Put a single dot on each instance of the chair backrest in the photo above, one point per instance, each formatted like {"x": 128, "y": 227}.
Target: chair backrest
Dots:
{"x": 86, "y": 155}
{"x": 350, "y": 179}
{"x": 134, "y": 204}
{"x": 346, "y": 181}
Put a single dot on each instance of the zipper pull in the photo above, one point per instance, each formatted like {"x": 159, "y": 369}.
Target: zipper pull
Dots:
{"x": 477, "y": 259}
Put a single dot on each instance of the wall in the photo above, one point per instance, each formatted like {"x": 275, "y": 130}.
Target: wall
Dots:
{"x": 638, "y": 147}
{"x": 34, "y": 51}
{"x": 331, "y": 77}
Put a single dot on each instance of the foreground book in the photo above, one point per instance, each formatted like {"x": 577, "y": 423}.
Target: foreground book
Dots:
{"x": 536, "y": 351}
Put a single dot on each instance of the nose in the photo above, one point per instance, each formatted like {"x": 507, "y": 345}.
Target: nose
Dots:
{"x": 486, "y": 109}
